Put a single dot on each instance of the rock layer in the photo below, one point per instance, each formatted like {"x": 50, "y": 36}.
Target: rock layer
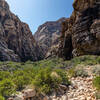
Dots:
{"x": 16, "y": 40}
{"x": 48, "y": 34}
{"x": 81, "y": 32}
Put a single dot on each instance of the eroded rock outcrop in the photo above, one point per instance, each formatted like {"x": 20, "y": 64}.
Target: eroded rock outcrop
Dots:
{"x": 48, "y": 34}
{"x": 16, "y": 40}
{"x": 81, "y": 32}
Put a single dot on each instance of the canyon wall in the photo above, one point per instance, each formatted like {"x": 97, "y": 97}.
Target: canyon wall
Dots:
{"x": 16, "y": 40}
{"x": 81, "y": 32}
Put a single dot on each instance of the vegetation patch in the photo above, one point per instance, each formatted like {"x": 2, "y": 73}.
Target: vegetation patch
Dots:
{"x": 45, "y": 75}
{"x": 96, "y": 82}
{"x": 1, "y": 97}
{"x": 96, "y": 70}
{"x": 48, "y": 80}
{"x": 97, "y": 95}
{"x": 7, "y": 88}
{"x": 78, "y": 71}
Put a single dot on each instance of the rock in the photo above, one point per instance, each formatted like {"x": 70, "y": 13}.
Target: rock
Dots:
{"x": 29, "y": 93}
{"x": 10, "y": 99}
{"x": 64, "y": 97}
{"x": 84, "y": 90}
{"x": 16, "y": 40}
{"x": 47, "y": 34}
{"x": 81, "y": 32}
{"x": 63, "y": 87}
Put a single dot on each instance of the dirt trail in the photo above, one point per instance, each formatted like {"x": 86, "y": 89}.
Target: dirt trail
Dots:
{"x": 82, "y": 88}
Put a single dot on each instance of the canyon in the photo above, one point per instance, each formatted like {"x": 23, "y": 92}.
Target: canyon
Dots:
{"x": 67, "y": 37}
{"x": 66, "y": 76}
{"x": 16, "y": 40}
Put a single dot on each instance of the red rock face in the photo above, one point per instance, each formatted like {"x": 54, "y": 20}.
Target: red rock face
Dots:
{"x": 81, "y": 32}
{"x": 16, "y": 40}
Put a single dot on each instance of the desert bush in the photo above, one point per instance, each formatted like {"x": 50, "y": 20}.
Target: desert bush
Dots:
{"x": 80, "y": 72}
{"x": 96, "y": 82}
{"x": 4, "y": 75}
{"x": 7, "y": 87}
{"x": 1, "y": 97}
{"x": 48, "y": 80}
{"x": 71, "y": 72}
{"x": 63, "y": 75}
{"x": 21, "y": 79}
{"x": 86, "y": 60}
{"x": 97, "y": 95}
{"x": 96, "y": 71}
{"x": 77, "y": 71}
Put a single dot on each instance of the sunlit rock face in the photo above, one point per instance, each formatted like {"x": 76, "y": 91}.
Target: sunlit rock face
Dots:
{"x": 81, "y": 32}
{"x": 48, "y": 34}
{"x": 16, "y": 40}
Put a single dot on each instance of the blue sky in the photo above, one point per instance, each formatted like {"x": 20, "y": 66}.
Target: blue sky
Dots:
{"x": 36, "y": 12}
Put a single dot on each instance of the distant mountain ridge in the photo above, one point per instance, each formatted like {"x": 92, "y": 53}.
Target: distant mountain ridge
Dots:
{"x": 48, "y": 34}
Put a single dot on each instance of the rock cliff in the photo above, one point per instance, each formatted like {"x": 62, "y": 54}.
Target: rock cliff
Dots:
{"x": 81, "y": 32}
{"x": 16, "y": 40}
{"x": 48, "y": 34}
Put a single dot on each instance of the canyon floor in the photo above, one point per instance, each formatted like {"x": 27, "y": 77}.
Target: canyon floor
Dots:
{"x": 81, "y": 88}
{"x": 76, "y": 79}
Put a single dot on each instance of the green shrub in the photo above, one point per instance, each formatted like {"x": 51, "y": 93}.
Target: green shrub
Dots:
{"x": 98, "y": 59}
{"x": 86, "y": 60}
{"x": 21, "y": 79}
{"x": 1, "y": 97}
{"x": 80, "y": 72}
{"x": 4, "y": 75}
{"x": 63, "y": 75}
{"x": 97, "y": 95}
{"x": 7, "y": 87}
{"x": 48, "y": 80}
{"x": 96, "y": 70}
{"x": 96, "y": 82}
{"x": 71, "y": 72}
{"x": 77, "y": 71}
